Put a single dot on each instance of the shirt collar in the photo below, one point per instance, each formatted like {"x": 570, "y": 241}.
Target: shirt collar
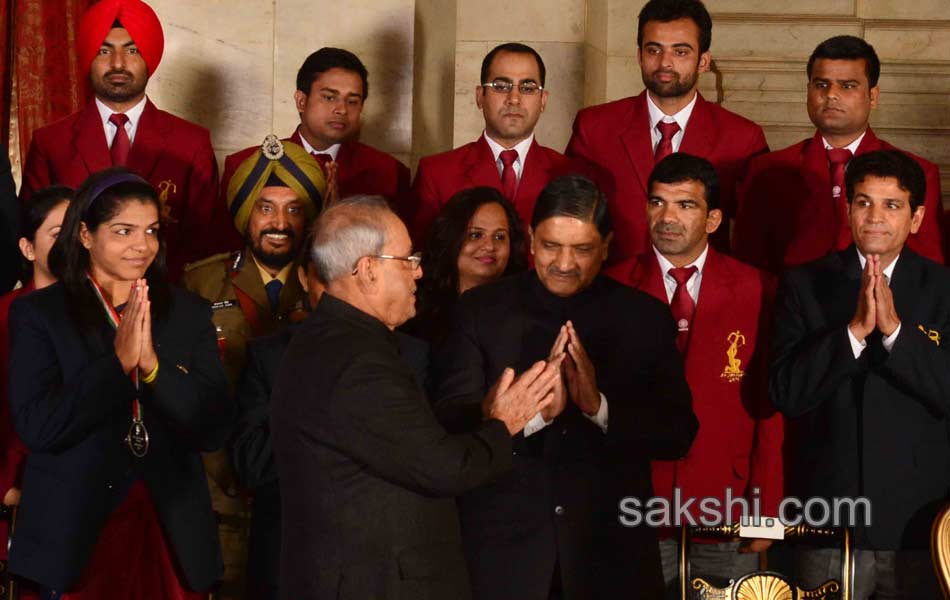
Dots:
{"x": 521, "y": 147}
{"x": 332, "y": 150}
{"x": 666, "y": 265}
{"x": 681, "y": 118}
{"x": 888, "y": 270}
{"x": 134, "y": 113}
{"x": 267, "y": 278}
{"x": 853, "y": 146}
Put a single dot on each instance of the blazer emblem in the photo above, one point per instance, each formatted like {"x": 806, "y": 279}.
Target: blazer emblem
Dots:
{"x": 733, "y": 371}
{"x": 933, "y": 336}
{"x": 166, "y": 188}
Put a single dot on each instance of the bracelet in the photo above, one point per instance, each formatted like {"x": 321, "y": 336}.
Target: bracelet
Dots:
{"x": 152, "y": 375}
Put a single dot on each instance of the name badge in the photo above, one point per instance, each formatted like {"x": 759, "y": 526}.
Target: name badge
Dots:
{"x": 224, "y": 304}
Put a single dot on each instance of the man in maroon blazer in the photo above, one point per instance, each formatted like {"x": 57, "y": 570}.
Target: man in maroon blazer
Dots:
{"x": 722, "y": 309}
{"x": 792, "y": 206}
{"x": 122, "y": 127}
{"x": 506, "y": 156}
{"x": 625, "y": 138}
{"x": 332, "y": 86}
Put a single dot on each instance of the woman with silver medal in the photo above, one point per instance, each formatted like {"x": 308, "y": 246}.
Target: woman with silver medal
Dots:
{"x": 116, "y": 386}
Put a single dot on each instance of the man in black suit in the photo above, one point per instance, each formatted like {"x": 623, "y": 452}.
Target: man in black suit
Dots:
{"x": 366, "y": 472}
{"x": 555, "y": 515}
{"x": 862, "y": 371}
{"x": 251, "y": 450}
{"x": 9, "y": 226}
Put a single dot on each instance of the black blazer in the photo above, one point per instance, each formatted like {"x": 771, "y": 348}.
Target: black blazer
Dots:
{"x": 366, "y": 472}
{"x": 72, "y": 405}
{"x": 10, "y": 259}
{"x": 561, "y": 500}
{"x": 875, "y": 426}
{"x": 253, "y": 457}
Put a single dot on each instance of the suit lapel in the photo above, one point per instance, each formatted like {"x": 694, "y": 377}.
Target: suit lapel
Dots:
{"x": 479, "y": 166}
{"x": 89, "y": 140}
{"x": 870, "y": 143}
{"x": 149, "y": 143}
{"x": 646, "y": 276}
{"x": 906, "y": 285}
{"x": 715, "y": 299}
{"x": 248, "y": 280}
{"x": 534, "y": 175}
{"x": 697, "y": 139}
{"x": 637, "y": 141}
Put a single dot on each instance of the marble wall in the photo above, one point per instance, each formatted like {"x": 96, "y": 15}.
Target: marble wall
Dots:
{"x": 231, "y": 66}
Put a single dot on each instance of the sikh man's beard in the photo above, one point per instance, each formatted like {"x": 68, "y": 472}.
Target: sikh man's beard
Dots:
{"x": 674, "y": 89}
{"x": 274, "y": 260}
{"x": 118, "y": 93}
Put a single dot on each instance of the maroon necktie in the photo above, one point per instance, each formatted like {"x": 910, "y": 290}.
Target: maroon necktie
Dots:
{"x": 322, "y": 159}
{"x": 682, "y": 305}
{"x": 509, "y": 180}
{"x": 120, "y": 143}
{"x": 665, "y": 147}
{"x": 839, "y": 157}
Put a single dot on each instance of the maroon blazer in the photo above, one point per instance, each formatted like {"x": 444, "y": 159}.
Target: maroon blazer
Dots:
{"x": 174, "y": 155}
{"x": 441, "y": 176}
{"x": 361, "y": 169}
{"x": 786, "y": 215}
{"x": 739, "y": 444}
{"x": 615, "y": 139}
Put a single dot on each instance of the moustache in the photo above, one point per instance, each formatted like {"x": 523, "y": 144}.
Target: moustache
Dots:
{"x": 288, "y": 232}
{"x": 555, "y": 272}
{"x": 668, "y": 228}
{"x": 119, "y": 72}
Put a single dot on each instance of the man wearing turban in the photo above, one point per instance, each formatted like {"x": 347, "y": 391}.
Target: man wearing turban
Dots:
{"x": 272, "y": 198}
{"x": 332, "y": 87}
{"x": 121, "y": 42}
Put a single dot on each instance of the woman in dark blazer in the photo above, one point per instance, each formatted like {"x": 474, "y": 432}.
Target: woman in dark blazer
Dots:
{"x": 115, "y": 388}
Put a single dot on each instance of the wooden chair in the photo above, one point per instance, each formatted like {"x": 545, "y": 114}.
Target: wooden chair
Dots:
{"x": 940, "y": 549}
{"x": 768, "y": 585}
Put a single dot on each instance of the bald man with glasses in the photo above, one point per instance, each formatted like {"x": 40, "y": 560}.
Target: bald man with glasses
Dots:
{"x": 507, "y": 157}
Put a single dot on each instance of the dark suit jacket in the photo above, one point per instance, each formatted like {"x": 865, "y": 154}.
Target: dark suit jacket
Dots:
{"x": 10, "y": 260}
{"x": 361, "y": 169}
{"x": 72, "y": 406}
{"x": 253, "y": 457}
{"x": 366, "y": 472}
{"x": 441, "y": 176}
{"x": 739, "y": 444}
{"x": 875, "y": 426}
{"x": 174, "y": 155}
{"x": 560, "y": 502}
{"x": 787, "y": 216}
{"x": 615, "y": 139}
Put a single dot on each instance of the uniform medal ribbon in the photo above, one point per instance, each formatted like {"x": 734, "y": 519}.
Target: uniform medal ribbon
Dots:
{"x": 137, "y": 438}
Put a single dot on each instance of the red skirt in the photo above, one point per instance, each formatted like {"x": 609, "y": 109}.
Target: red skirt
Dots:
{"x": 131, "y": 560}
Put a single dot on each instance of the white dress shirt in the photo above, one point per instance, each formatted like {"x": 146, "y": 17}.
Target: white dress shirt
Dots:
{"x": 853, "y": 146}
{"x": 692, "y": 284}
{"x": 131, "y": 126}
{"x": 681, "y": 118}
{"x": 857, "y": 347}
{"x": 521, "y": 148}
{"x": 332, "y": 150}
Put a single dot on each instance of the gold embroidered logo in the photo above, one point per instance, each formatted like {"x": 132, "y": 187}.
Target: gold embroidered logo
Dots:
{"x": 933, "y": 336}
{"x": 733, "y": 371}
{"x": 165, "y": 189}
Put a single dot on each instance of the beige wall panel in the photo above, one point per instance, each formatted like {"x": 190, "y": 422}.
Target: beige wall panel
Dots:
{"x": 433, "y": 99}
{"x": 380, "y": 32}
{"x": 771, "y": 7}
{"x": 903, "y": 9}
{"x": 565, "y": 82}
{"x": 217, "y": 70}
{"x": 595, "y": 76}
{"x": 517, "y": 20}
{"x": 903, "y": 81}
{"x": 623, "y": 77}
{"x": 597, "y": 24}
{"x": 622, "y": 27}
{"x": 778, "y": 38}
{"x": 906, "y": 43}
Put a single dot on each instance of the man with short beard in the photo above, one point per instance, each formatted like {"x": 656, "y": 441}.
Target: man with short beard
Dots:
{"x": 272, "y": 197}
{"x": 122, "y": 43}
{"x": 626, "y": 138}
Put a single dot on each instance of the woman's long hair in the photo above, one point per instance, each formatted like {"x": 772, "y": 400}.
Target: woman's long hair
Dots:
{"x": 99, "y": 199}
{"x": 439, "y": 288}
{"x": 34, "y": 213}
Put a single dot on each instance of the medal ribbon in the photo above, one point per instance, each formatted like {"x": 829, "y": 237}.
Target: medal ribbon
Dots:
{"x": 113, "y": 317}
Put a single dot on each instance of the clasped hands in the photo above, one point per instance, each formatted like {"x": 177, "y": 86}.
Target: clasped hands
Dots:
{"x": 546, "y": 386}
{"x": 133, "y": 337}
{"x": 875, "y": 303}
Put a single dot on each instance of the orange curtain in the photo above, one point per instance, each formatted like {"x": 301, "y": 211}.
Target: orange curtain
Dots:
{"x": 39, "y": 37}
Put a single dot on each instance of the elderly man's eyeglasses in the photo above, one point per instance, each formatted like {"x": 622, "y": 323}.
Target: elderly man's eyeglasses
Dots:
{"x": 502, "y": 86}
{"x": 414, "y": 260}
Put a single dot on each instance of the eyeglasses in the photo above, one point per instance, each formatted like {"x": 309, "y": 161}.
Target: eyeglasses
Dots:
{"x": 525, "y": 88}
{"x": 414, "y": 260}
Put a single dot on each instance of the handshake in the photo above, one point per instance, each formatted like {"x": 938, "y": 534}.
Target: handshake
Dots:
{"x": 544, "y": 388}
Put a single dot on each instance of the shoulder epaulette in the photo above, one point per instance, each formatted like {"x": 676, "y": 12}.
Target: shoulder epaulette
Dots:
{"x": 216, "y": 258}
